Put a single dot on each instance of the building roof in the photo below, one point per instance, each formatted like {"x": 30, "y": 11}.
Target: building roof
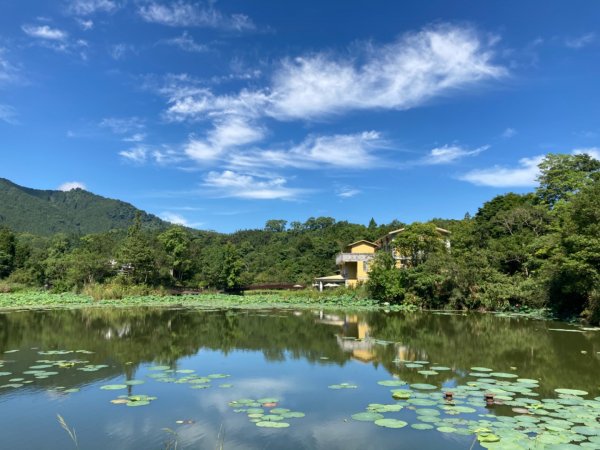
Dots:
{"x": 363, "y": 241}
{"x": 331, "y": 278}
{"x": 399, "y": 230}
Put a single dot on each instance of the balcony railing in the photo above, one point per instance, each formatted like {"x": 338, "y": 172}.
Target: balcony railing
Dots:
{"x": 353, "y": 257}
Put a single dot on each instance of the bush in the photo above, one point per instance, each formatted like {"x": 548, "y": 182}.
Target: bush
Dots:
{"x": 116, "y": 291}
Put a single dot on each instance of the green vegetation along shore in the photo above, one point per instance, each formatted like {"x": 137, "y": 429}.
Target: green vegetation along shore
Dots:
{"x": 534, "y": 250}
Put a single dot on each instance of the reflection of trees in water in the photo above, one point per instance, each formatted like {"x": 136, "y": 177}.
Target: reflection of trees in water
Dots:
{"x": 499, "y": 343}
{"x": 126, "y": 338}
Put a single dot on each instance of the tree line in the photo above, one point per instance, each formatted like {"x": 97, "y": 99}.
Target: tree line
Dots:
{"x": 539, "y": 249}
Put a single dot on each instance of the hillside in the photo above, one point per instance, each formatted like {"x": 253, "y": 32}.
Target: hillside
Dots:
{"x": 45, "y": 212}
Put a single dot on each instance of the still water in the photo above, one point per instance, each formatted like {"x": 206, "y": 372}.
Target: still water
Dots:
{"x": 149, "y": 379}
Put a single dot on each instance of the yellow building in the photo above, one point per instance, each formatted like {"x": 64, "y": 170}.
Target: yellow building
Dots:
{"x": 354, "y": 262}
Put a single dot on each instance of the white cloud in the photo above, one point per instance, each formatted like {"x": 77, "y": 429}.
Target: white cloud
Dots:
{"x": 401, "y": 75}
{"x": 123, "y": 125}
{"x": 136, "y": 155}
{"x": 87, "y": 7}
{"x": 580, "y": 41}
{"x": 118, "y": 51}
{"x": 228, "y": 133}
{"x": 137, "y": 137}
{"x": 8, "y": 114}
{"x": 594, "y": 152}
{"x": 346, "y": 192}
{"x": 524, "y": 175}
{"x": 8, "y": 72}
{"x": 174, "y": 218}
{"x": 508, "y": 133}
{"x": 450, "y": 153}
{"x": 185, "y": 14}
{"x": 85, "y": 24}
{"x": 341, "y": 150}
{"x": 70, "y": 185}
{"x": 186, "y": 42}
{"x": 234, "y": 184}
{"x": 45, "y": 32}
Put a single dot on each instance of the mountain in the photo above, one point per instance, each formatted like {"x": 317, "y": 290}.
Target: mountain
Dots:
{"x": 77, "y": 211}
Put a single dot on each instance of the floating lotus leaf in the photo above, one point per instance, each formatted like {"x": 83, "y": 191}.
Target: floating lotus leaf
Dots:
{"x": 272, "y": 424}
{"x": 421, "y": 426}
{"x": 379, "y": 408}
{"x": 428, "y": 372}
{"x": 587, "y": 430}
{"x": 12, "y": 385}
{"x": 267, "y": 400}
{"x": 423, "y": 386}
{"x": 401, "y": 394}
{"x": 293, "y": 415}
{"x": 71, "y": 391}
{"x": 225, "y": 386}
{"x": 138, "y": 403}
{"x": 503, "y": 375}
{"x": 422, "y": 402}
{"x": 413, "y": 365}
{"x": 392, "y": 383}
{"x": 481, "y": 369}
{"x": 440, "y": 368}
{"x": 40, "y": 366}
{"x": 113, "y": 387}
{"x": 119, "y": 401}
{"x": 255, "y": 415}
{"x": 4, "y": 374}
{"x": 527, "y": 381}
{"x": 255, "y": 411}
{"x": 391, "y": 423}
{"x": 279, "y": 410}
{"x": 185, "y": 371}
{"x": 570, "y": 391}
{"x": 428, "y": 412}
{"x": 134, "y": 382}
{"x": 218, "y": 375}
{"x": 14, "y": 380}
{"x": 367, "y": 416}
{"x": 159, "y": 368}
{"x": 272, "y": 417}
{"x": 445, "y": 429}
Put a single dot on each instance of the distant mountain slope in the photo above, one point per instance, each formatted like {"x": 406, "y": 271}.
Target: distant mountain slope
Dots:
{"x": 76, "y": 211}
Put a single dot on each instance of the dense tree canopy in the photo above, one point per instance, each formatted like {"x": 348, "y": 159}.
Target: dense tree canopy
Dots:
{"x": 540, "y": 249}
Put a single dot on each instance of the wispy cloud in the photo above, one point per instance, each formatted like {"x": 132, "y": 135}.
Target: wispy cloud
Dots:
{"x": 85, "y": 24}
{"x": 450, "y": 153}
{"x": 119, "y": 51}
{"x": 70, "y": 185}
{"x": 186, "y": 43}
{"x": 137, "y": 155}
{"x": 346, "y": 192}
{"x": 88, "y": 7}
{"x": 233, "y": 184}
{"x": 580, "y": 41}
{"x": 186, "y": 14}
{"x": 508, "y": 133}
{"x": 523, "y": 175}
{"x": 8, "y": 114}
{"x": 227, "y": 134}
{"x": 137, "y": 137}
{"x": 123, "y": 125}
{"x": 45, "y": 32}
{"x": 8, "y": 72}
{"x": 405, "y": 74}
{"x": 174, "y": 218}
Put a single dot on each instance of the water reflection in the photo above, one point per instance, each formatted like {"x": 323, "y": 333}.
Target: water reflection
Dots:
{"x": 293, "y": 355}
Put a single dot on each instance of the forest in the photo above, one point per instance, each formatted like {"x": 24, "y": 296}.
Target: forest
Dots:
{"x": 534, "y": 250}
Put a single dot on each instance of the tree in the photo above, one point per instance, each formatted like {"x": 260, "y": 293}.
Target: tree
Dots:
{"x": 8, "y": 246}
{"x": 385, "y": 280}
{"x": 275, "y": 225}
{"x": 135, "y": 255}
{"x": 417, "y": 241}
{"x": 562, "y": 176}
{"x": 176, "y": 242}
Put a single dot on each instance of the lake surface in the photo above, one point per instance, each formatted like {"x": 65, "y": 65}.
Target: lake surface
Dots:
{"x": 223, "y": 372}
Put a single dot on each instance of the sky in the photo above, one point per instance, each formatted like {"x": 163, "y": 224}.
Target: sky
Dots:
{"x": 224, "y": 114}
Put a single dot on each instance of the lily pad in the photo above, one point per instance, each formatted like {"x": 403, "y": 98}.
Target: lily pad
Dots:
{"x": 113, "y": 387}
{"x": 423, "y": 386}
{"x": 272, "y": 424}
{"x": 570, "y": 392}
{"x": 392, "y": 383}
{"x": 367, "y": 416}
{"x": 391, "y": 423}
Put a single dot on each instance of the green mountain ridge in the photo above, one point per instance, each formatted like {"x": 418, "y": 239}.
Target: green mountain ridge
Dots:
{"x": 46, "y": 212}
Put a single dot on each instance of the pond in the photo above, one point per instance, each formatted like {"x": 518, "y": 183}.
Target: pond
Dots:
{"x": 245, "y": 379}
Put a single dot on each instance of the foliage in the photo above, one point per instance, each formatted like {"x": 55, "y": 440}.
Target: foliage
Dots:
{"x": 385, "y": 280}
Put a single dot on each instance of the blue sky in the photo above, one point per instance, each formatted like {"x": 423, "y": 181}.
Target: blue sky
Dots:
{"x": 222, "y": 115}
